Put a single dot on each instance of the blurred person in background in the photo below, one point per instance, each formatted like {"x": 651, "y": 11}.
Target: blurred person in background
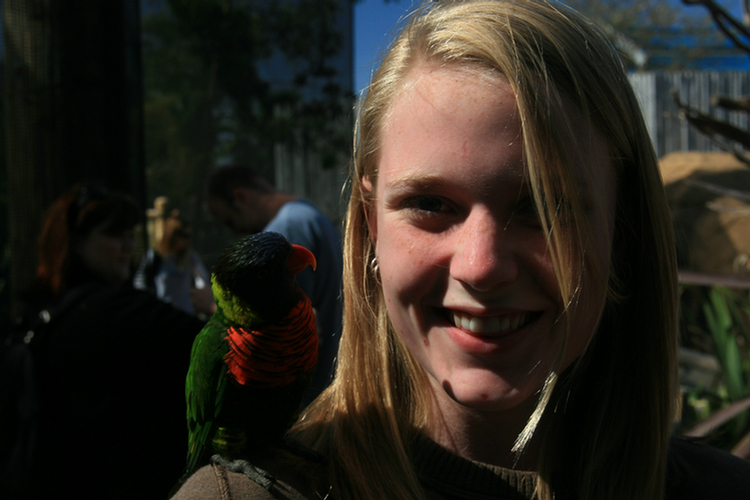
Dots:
{"x": 112, "y": 364}
{"x": 174, "y": 272}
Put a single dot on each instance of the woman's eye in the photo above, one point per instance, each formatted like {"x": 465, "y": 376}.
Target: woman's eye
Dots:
{"x": 426, "y": 204}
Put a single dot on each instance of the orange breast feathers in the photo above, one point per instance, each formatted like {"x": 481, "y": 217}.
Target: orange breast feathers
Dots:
{"x": 277, "y": 354}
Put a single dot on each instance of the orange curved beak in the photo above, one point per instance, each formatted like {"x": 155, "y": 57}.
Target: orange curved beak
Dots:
{"x": 299, "y": 259}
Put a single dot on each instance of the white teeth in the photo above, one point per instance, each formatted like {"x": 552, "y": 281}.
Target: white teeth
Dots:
{"x": 465, "y": 323}
{"x": 488, "y": 325}
{"x": 476, "y": 325}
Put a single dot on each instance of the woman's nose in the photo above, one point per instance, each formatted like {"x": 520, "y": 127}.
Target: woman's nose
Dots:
{"x": 484, "y": 255}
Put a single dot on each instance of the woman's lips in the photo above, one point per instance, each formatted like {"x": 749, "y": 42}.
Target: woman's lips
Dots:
{"x": 491, "y": 325}
{"x": 490, "y": 335}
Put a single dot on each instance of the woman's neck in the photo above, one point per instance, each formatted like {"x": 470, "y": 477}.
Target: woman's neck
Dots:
{"x": 484, "y": 436}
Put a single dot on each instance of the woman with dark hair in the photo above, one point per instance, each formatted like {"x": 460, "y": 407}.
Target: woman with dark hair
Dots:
{"x": 87, "y": 235}
{"x": 113, "y": 362}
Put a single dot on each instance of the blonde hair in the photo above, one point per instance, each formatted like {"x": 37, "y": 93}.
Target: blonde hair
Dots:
{"x": 175, "y": 226}
{"x": 613, "y": 412}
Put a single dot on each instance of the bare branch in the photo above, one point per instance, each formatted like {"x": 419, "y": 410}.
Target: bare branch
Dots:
{"x": 719, "y": 418}
{"x": 720, "y": 190}
{"x": 728, "y": 25}
{"x": 710, "y": 126}
{"x": 731, "y": 104}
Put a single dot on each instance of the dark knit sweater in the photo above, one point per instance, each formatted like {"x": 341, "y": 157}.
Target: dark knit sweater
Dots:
{"x": 695, "y": 472}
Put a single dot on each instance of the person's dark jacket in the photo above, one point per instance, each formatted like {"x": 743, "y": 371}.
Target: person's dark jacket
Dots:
{"x": 113, "y": 395}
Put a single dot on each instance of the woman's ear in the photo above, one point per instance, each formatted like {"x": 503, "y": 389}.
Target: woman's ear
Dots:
{"x": 369, "y": 209}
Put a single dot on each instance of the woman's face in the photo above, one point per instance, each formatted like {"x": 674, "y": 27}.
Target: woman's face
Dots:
{"x": 465, "y": 269}
{"x": 107, "y": 255}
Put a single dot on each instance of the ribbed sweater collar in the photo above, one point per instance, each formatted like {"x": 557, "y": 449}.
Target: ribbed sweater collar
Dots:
{"x": 449, "y": 476}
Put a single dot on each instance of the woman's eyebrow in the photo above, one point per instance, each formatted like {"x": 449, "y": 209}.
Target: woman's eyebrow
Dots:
{"x": 416, "y": 181}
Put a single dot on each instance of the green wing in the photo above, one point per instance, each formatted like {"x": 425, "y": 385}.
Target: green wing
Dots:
{"x": 204, "y": 388}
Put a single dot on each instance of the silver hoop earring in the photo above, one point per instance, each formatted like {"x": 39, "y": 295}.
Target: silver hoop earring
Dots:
{"x": 375, "y": 268}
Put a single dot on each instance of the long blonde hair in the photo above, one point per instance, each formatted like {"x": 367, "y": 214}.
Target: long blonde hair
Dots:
{"x": 619, "y": 401}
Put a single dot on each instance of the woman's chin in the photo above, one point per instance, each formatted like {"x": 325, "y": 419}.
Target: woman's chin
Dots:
{"x": 490, "y": 397}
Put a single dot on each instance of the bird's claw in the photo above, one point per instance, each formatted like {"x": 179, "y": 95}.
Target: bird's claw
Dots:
{"x": 260, "y": 476}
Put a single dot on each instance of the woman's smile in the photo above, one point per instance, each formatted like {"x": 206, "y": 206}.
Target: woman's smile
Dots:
{"x": 492, "y": 325}
{"x": 504, "y": 335}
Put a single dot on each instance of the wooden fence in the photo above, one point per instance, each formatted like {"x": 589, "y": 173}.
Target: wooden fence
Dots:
{"x": 668, "y": 130}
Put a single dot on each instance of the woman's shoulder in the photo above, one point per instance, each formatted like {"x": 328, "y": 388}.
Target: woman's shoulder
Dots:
{"x": 270, "y": 476}
{"x": 699, "y": 471}
{"x": 216, "y": 482}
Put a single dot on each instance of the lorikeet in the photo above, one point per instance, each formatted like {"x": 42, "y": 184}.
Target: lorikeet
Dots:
{"x": 252, "y": 362}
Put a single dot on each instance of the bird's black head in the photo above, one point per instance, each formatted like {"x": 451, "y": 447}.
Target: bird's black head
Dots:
{"x": 257, "y": 269}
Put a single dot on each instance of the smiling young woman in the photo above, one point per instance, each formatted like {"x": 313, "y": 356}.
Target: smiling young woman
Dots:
{"x": 463, "y": 254}
{"x": 510, "y": 281}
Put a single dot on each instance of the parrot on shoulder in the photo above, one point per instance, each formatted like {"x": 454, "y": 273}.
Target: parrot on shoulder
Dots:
{"x": 254, "y": 359}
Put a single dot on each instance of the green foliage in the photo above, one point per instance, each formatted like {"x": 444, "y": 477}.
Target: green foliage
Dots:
{"x": 717, "y": 320}
{"x": 721, "y": 322}
{"x": 228, "y": 81}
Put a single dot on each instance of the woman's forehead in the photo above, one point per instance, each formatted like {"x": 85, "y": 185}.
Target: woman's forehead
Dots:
{"x": 577, "y": 140}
